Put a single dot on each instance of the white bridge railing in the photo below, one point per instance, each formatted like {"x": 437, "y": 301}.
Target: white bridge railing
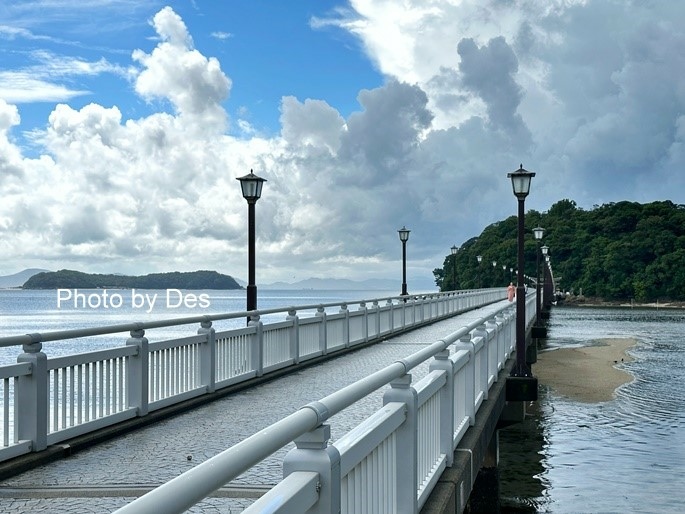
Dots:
{"x": 46, "y": 401}
{"x": 389, "y": 463}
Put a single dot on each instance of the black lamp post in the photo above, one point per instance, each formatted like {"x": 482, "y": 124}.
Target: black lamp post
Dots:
{"x": 494, "y": 266}
{"x": 538, "y": 232}
{"x": 404, "y": 236}
{"x": 520, "y": 181}
{"x": 454, "y": 251}
{"x": 479, "y": 258}
{"x": 545, "y": 249}
{"x": 251, "y": 186}
{"x": 504, "y": 272}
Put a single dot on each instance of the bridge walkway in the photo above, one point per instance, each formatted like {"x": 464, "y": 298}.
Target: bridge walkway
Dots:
{"x": 107, "y": 476}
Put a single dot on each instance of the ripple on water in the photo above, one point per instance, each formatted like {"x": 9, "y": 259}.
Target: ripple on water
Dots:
{"x": 615, "y": 456}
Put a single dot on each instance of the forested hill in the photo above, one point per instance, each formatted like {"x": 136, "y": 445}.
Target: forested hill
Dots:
{"x": 68, "y": 279}
{"x": 615, "y": 251}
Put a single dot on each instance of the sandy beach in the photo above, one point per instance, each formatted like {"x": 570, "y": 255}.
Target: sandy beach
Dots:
{"x": 586, "y": 374}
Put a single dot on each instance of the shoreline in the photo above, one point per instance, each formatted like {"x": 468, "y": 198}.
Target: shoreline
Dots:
{"x": 588, "y": 373}
{"x": 582, "y": 301}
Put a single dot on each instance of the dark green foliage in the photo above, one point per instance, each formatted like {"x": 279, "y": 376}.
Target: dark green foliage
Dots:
{"x": 615, "y": 251}
{"x": 68, "y": 279}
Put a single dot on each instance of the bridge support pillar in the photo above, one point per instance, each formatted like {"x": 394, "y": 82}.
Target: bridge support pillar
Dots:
{"x": 513, "y": 412}
{"x": 532, "y": 351}
{"x": 484, "y": 497}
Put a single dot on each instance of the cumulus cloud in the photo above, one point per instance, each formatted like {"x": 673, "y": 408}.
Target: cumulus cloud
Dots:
{"x": 175, "y": 71}
{"x": 489, "y": 72}
{"x": 10, "y": 157}
{"x": 312, "y": 122}
{"x": 587, "y": 94}
{"x": 84, "y": 225}
{"x": 381, "y": 139}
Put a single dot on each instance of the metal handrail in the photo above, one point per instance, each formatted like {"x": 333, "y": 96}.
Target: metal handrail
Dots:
{"x": 185, "y": 490}
{"x": 57, "y": 335}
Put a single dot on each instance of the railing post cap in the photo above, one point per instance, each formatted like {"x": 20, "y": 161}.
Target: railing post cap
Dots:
{"x": 32, "y": 347}
{"x": 402, "y": 382}
{"x": 137, "y": 333}
{"x": 316, "y": 439}
{"x": 442, "y": 355}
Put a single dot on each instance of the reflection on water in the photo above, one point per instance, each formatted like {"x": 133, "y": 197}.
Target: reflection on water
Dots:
{"x": 522, "y": 445}
{"x": 626, "y": 455}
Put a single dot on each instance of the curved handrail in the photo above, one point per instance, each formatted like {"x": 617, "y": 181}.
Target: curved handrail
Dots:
{"x": 185, "y": 490}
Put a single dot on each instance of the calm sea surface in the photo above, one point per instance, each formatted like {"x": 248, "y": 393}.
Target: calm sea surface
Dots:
{"x": 26, "y": 312}
{"x": 626, "y": 455}
{"x": 622, "y": 456}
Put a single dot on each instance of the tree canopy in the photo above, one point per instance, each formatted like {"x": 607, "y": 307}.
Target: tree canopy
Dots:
{"x": 615, "y": 251}
{"x": 68, "y": 279}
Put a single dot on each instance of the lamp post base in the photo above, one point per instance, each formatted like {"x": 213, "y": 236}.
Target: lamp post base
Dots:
{"x": 251, "y": 297}
{"x": 538, "y": 332}
{"x": 521, "y": 389}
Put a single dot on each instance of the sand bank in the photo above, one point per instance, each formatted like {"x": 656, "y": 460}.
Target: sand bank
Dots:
{"x": 587, "y": 374}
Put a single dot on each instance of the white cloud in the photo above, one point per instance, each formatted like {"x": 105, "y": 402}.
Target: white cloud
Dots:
{"x": 24, "y": 87}
{"x": 45, "y": 78}
{"x": 175, "y": 71}
{"x": 313, "y": 123}
{"x": 10, "y": 156}
{"x": 222, "y": 35}
{"x": 587, "y": 94}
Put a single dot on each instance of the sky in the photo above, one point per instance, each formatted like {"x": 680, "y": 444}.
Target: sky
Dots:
{"x": 125, "y": 123}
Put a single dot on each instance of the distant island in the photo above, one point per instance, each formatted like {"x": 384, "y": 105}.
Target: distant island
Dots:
{"x": 69, "y": 279}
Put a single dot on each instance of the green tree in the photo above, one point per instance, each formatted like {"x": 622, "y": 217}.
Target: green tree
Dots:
{"x": 615, "y": 251}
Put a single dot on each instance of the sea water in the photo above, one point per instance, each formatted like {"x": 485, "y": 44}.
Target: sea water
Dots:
{"x": 621, "y": 456}
{"x": 36, "y": 311}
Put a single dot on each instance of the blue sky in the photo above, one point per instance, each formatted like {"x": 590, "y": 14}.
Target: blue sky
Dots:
{"x": 124, "y": 123}
{"x": 271, "y": 49}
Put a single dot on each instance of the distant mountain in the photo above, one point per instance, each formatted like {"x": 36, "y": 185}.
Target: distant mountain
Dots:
{"x": 68, "y": 279}
{"x": 341, "y": 284}
{"x": 18, "y": 279}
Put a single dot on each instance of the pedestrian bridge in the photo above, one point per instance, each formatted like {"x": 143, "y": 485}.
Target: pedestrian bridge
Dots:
{"x": 377, "y": 428}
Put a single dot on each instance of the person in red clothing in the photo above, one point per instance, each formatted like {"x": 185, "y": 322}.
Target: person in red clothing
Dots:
{"x": 511, "y": 291}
